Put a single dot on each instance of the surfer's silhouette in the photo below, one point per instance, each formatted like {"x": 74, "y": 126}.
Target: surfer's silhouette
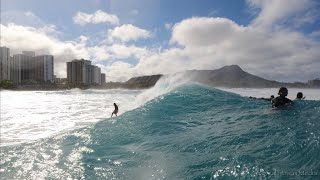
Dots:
{"x": 116, "y": 109}
{"x": 281, "y": 99}
{"x": 300, "y": 96}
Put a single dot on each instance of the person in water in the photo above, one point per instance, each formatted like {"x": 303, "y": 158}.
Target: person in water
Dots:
{"x": 267, "y": 99}
{"x": 116, "y": 109}
{"x": 281, "y": 99}
{"x": 300, "y": 96}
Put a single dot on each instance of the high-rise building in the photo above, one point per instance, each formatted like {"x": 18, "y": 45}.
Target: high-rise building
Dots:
{"x": 89, "y": 74}
{"x": 19, "y": 68}
{"x": 26, "y": 68}
{"x": 96, "y": 75}
{"x": 103, "y": 78}
{"x": 82, "y": 72}
{"x": 78, "y": 71}
{"x": 43, "y": 68}
{"x": 4, "y": 63}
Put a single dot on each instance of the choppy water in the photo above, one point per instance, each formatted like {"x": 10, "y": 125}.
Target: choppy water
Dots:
{"x": 30, "y": 115}
{"x": 192, "y": 132}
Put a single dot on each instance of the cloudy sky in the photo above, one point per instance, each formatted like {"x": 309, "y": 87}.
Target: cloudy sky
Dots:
{"x": 275, "y": 39}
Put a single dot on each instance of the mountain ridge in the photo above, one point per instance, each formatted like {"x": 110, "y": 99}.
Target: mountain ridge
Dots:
{"x": 231, "y": 76}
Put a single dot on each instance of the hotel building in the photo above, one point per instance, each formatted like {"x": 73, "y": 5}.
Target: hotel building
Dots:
{"x": 26, "y": 68}
{"x": 4, "y": 63}
{"x": 103, "y": 78}
{"x": 82, "y": 72}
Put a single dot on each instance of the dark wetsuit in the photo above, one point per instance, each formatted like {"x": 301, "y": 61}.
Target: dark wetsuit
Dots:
{"x": 115, "y": 109}
{"x": 280, "y": 101}
{"x": 266, "y": 99}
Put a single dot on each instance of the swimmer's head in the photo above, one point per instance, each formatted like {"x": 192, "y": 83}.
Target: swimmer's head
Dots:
{"x": 272, "y": 96}
{"x": 299, "y": 95}
{"x": 283, "y": 91}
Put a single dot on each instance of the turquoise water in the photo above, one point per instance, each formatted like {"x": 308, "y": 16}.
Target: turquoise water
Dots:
{"x": 193, "y": 132}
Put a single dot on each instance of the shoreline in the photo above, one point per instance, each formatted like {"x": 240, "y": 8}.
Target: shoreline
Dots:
{"x": 137, "y": 88}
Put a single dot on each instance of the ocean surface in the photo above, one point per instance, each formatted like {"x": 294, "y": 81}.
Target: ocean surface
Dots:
{"x": 185, "y": 131}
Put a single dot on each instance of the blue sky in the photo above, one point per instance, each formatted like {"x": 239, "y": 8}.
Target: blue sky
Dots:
{"x": 153, "y": 36}
{"x": 148, "y": 14}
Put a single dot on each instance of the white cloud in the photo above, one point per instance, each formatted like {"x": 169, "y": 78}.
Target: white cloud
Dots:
{"x": 83, "y": 39}
{"x": 282, "y": 11}
{"x": 116, "y": 51}
{"x": 25, "y": 18}
{"x": 128, "y": 32}
{"x": 196, "y": 43}
{"x": 118, "y": 71}
{"x": 209, "y": 43}
{"x": 19, "y": 38}
{"x": 204, "y": 31}
{"x": 214, "y": 42}
{"x": 95, "y": 18}
{"x": 123, "y": 51}
{"x": 168, "y": 26}
{"x": 204, "y": 43}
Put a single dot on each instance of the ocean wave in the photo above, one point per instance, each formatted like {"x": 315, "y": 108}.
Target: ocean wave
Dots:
{"x": 186, "y": 132}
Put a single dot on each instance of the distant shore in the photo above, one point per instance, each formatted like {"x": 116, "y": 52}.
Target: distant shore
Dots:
{"x": 228, "y": 76}
{"x": 124, "y": 86}
{"x": 110, "y": 85}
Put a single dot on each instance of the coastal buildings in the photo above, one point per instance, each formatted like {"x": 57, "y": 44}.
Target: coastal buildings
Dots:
{"x": 314, "y": 83}
{"x": 29, "y": 69}
{"x": 26, "y": 68}
{"x": 103, "y": 78}
{"x": 96, "y": 75}
{"x": 77, "y": 71}
{"x": 43, "y": 68}
{"x": 82, "y": 72}
{"x": 4, "y": 63}
{"x": 18, "y": 64}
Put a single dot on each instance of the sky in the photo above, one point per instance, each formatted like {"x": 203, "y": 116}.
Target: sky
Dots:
{"x": 274, "y": 39}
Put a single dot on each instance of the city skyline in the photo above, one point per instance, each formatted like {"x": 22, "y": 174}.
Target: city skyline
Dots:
{"x": 27, "y": 67}
{"x": 273, "y": 39}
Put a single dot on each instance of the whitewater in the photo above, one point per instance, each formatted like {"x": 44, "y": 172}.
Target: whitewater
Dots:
{"x": 175, "y": 130}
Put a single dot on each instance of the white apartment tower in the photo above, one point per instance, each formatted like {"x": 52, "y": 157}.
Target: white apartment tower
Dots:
{"x": 96, "y": 75}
